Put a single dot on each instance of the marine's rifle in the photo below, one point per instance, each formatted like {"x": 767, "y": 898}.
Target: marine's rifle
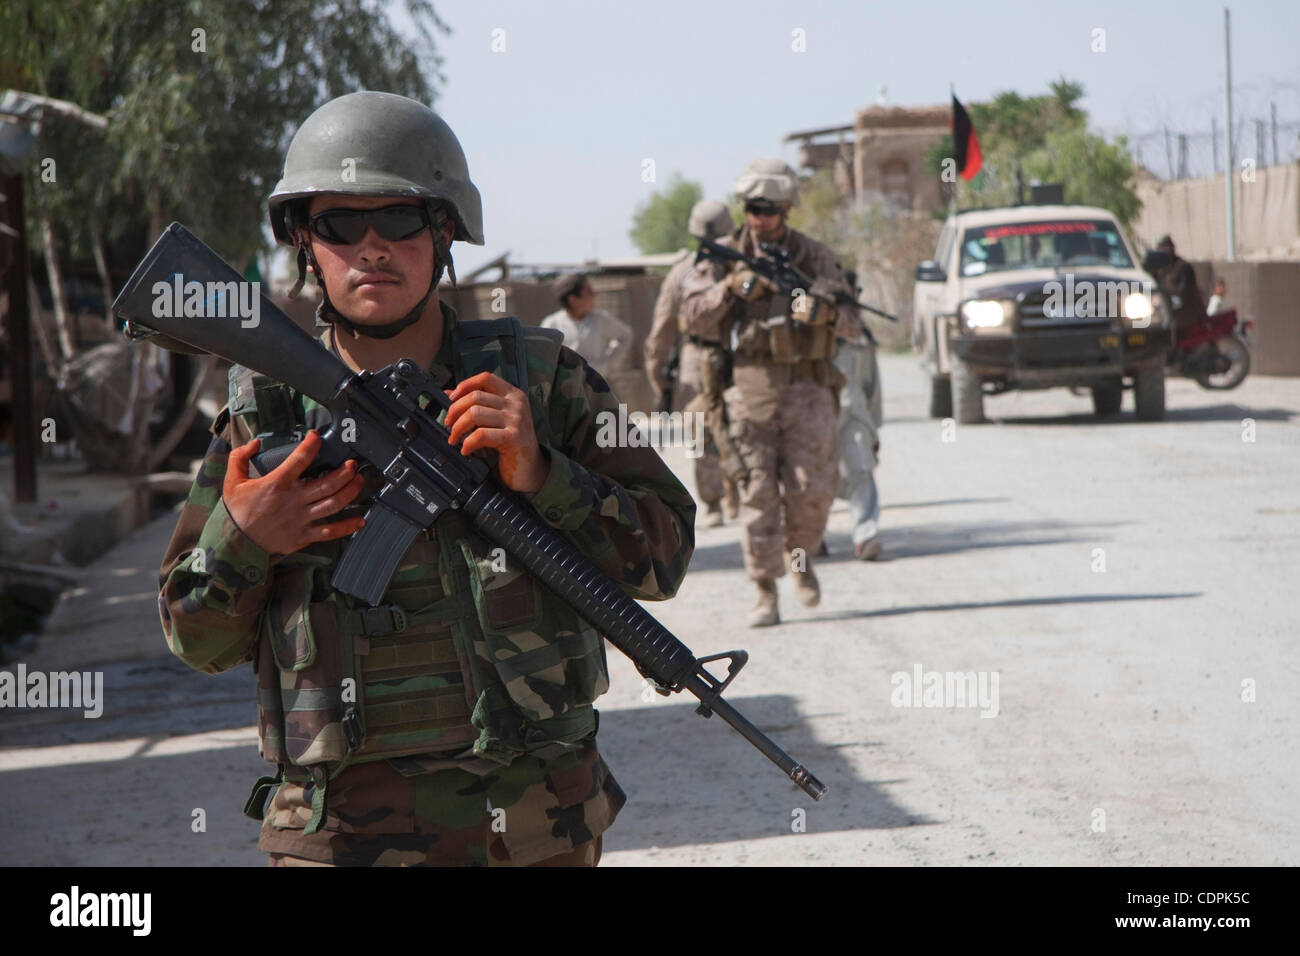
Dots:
{"x": 777, "y": 268}
{"x": 671, "y": 372}
{"x": 392, "y": 424}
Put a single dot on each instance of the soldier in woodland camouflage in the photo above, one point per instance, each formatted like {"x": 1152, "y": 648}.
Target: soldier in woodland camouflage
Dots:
{"x": 474, "y": 684}
{"x": 782, "y": 405}
{"x": 711, "y": 219}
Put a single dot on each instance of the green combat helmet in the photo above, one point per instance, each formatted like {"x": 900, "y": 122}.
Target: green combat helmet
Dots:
{"x": 376, "y": 144}
{"x": 710, "y": 219}
{"x": 768, "y": 179}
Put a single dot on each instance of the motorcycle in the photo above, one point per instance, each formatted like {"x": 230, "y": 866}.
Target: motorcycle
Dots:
{"x": 1215, "y": 352}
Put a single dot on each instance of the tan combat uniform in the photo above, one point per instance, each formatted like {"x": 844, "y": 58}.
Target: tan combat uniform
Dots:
{"x": 782, "y": 406}
{"x": 664, "y": 333}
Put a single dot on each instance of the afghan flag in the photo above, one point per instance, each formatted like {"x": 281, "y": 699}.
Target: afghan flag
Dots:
{"x": 967, "y": 143}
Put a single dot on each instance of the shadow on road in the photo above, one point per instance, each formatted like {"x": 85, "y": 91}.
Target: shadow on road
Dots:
{"x": 990, "y": 605}
{"x": 133, "y": 812}
{"x": 695, "y": 781}
{"x": 917, "y": 541}
{"x": 914, "y": 541}
{"x": 1228, "y": 413}
{"x": 946, "y": 501}
{"x": 689, "y": 781}
{"x": 158, "y": 696}
{"x": 1208, "y": 413}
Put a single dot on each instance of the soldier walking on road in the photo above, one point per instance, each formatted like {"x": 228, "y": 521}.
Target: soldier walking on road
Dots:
{"x": 712, "y": 220}
{"x": 783, "y": 403}
{"x": 453, "y": 723}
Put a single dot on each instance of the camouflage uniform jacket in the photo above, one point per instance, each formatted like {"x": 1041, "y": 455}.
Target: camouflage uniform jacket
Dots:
{"x": 621, "y": 506}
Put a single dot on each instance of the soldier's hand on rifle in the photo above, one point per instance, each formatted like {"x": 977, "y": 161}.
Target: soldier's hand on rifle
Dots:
{"x": 749, "y": 285}
{"x": 808, "y": 309}
{"x": 279, "y": 512}
{"x": 488, "y": 412}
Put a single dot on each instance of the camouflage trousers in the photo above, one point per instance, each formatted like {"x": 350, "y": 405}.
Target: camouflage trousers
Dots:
{"x": 793, "y": 473}
{"x": 708, "y": 472}
{"x": 586, "y": 855}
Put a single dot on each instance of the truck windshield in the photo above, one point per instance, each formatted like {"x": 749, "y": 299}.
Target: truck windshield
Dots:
{"x": 1031, "y": 245}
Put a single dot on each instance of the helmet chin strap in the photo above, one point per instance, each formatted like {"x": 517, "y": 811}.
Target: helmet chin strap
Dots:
{"x": 327, "y": 314}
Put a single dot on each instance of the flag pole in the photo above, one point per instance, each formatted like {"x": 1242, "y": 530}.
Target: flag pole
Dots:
{"x": 952, "y": 197}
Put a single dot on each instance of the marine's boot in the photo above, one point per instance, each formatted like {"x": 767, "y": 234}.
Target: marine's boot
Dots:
{"x": 731, "y": 500}
{"x": 713, "y": 515}
{"x": 806, "y": 587}
{"x": 765, "y": 613}
{"x": 867, "y": 550}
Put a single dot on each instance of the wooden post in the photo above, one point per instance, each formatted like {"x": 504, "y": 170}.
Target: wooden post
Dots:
{"x": 18, "y": 325}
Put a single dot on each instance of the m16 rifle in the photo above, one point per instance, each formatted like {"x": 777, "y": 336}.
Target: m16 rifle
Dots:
{"x": 777, "y": 268}
{"x": 671, "y": 373}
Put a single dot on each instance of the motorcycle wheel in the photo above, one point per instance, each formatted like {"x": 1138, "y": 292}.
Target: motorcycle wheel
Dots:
{"x": 1234, "y": 350}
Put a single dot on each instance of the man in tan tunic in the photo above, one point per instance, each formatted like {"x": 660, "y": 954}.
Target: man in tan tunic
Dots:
{"x": 604, "y": 341}
{"x": 782, "y": 405}
{"x": 711, "y": 219}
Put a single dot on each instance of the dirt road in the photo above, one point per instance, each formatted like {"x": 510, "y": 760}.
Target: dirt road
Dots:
{"x": 1118, "y": 596}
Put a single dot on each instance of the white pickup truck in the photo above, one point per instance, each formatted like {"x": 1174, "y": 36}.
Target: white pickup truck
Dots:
{"x": 1041, "y": 296}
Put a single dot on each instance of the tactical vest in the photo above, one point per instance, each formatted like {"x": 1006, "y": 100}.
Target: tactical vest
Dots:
{"x": 467, "y": 662}
{"x": 764, "y": 331}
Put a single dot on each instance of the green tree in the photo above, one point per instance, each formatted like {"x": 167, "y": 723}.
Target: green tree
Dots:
{"x": 819, "y": 212}
{"x": 659, "y": 224}
{"x": 201, "y": 99}
{"x": 1045, "y": 138}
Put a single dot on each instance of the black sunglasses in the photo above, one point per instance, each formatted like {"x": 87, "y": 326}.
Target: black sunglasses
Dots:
{"x": 344, "y": 227}
{"x": 762, "y": 209}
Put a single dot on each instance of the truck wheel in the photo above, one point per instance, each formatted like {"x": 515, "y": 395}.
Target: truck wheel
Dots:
{"x": 1107, "y": 398}
{"x": 940, "y": 398}
{"x": 1149, "y": 393}
{"x": 967, "y": 394}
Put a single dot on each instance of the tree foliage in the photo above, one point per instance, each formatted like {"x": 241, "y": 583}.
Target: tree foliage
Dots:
{"x": 659, "y": 224}
{"x": 878, "y": 240}
{"x": 202, "y": 97}
{"x": 1046, "y": 137}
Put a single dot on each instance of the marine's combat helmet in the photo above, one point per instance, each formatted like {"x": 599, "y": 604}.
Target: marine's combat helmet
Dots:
{"x": 377, "y": 144}
{"x": 710, "y": 219}
{"x": 768, "y": 179}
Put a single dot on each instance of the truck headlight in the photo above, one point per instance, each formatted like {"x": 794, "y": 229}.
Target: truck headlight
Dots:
{"x": 1138, "y": 309}
{"x": 986, "y": 313}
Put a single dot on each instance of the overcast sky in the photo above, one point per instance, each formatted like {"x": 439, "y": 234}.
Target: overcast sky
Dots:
{"x": 557, "y": 126}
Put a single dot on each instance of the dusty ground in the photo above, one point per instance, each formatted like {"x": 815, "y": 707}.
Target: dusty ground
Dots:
{"x": 1120, "y": 672}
